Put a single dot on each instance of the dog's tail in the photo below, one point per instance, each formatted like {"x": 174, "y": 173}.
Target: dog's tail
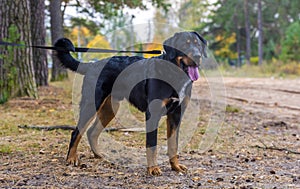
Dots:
{"x": 64, "y": 46}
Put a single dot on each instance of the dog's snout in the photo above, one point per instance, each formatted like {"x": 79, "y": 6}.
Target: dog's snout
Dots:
{"x": 197, "y": 57}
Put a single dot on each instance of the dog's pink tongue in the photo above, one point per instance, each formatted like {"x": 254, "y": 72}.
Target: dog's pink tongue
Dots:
{"x": 193, "y": 72}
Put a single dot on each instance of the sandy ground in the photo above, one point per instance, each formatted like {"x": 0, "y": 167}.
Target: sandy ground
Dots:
{"x": 258, "y": 146}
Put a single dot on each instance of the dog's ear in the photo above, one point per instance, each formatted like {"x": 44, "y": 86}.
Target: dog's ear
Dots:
{"x": 169, "y": 45}
{"x": 204, "y": 49}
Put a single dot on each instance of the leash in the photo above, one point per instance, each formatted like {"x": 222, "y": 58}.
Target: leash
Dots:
{"x": 79, "y": 49}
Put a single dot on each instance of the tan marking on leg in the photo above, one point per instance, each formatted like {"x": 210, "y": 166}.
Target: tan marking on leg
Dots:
{"x": 173, "y": 146}
{"x": 105, "y": 114}
{"x": 72, "y": 156}
{"x": 152, "y": 169}
{"x": 171, "y": 136}
{"x": 176, "y": 166}
{"x": 107, "y": 110}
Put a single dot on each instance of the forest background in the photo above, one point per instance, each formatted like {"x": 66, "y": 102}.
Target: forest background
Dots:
{"x": 247, "y": 37}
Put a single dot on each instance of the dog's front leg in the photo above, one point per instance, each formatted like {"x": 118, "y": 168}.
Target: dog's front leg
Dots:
{"x": 173, "y": 123}
{"x": 153, "y": 115}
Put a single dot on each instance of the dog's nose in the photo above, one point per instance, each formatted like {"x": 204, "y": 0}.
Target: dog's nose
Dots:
{"x": 196, "y": 58}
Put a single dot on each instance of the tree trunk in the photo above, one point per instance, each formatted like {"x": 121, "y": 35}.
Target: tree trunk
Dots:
{"x": 16, "y": 67}
{"x": 260, "y": 34}
{"x": 237, "y": 38}
{"x": 38, "y": 33}
{"x": 56, "y": 20}
{"x": 247, "y": 28}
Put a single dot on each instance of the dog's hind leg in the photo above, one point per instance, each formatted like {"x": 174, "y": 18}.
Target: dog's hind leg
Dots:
{"x": 105, "y": 114}
{"x": 86, "y": 116}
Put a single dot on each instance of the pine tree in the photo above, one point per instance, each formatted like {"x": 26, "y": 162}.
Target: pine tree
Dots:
{"x": 38, "y": 33}
{"x": 16, "y": 67}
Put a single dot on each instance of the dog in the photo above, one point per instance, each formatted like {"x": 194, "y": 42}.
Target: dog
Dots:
{"x": 183, "y": 53}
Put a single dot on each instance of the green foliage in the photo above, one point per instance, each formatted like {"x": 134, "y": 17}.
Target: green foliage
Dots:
{"x": 192, "y": 13}
{"x": 109, "y": 9}
{"x": 92, "y": 26}
{"x": 4, "y": 96}
{"x": 291, "y": 43}
{"x": 227, "y": 17}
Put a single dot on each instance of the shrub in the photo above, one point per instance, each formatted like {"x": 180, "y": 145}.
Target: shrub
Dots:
{"x": 254, "y": 60}
{"x": 292, "y": 68}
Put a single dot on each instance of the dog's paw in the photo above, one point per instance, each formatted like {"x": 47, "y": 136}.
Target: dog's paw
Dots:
{"x": 179, "y": 168}
{"x": 154, "y": 171}
{"x": 176, "y": 166}
{"x": 73, "y": 160}
{"x": 98, "y": 155}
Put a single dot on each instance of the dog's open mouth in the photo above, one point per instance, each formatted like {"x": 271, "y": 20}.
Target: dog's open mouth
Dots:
{"x": 193, "y": 72}
{"x": 189, "y": 67}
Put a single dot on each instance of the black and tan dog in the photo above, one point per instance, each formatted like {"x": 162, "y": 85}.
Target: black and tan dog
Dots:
{"x": 184, "y": 50}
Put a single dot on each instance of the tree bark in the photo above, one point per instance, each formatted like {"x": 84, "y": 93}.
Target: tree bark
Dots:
{"x": 56, "y": 20}
{"x": 38, "y": 33}
{"x": 260, "y": 34}
{"x": 237, "y": 38}
{"x": 247, "y": 28}
{"x": 16, "y": 67}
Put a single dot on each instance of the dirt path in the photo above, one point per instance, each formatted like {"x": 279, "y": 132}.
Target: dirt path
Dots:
{"x": 261, "y": 113}
{"x": 280, "y": 97}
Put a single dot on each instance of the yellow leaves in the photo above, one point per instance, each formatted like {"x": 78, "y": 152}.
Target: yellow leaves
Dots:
{"x": 80, "y": 32}
{"x": 98, "y": 41}
{"x": 219, "y": 38}
{"x": 153, "y": 46}
{"x": 225, "y": 44}
{"x": 87, "y": 39}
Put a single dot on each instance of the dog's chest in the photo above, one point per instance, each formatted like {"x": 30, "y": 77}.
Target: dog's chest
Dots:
{"x": 184, "y": 91}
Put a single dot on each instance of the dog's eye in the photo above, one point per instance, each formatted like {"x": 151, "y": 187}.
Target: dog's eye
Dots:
{"x": 188, "y": 41}
{"x": 196, "y": 42}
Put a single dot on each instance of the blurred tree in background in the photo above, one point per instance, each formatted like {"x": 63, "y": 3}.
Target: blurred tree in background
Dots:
{"x": 227, "y": 17}
{"x": 38, "y": 37}
{"x": 291, "y": 43}
{"x": 232, "y": 27}
{"x": 23, "y": 22}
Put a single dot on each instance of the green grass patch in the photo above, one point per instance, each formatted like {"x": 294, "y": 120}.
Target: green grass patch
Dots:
{"x": 232, "y": 109}
{"x": 5, "y": 149}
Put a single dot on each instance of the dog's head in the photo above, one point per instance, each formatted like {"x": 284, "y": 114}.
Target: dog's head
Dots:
{"x": 186, "y": 49}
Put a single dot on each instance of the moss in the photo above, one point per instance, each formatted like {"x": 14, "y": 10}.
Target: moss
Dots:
{"x": 5, "y": 149}
{"x": 232, "y": 109}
